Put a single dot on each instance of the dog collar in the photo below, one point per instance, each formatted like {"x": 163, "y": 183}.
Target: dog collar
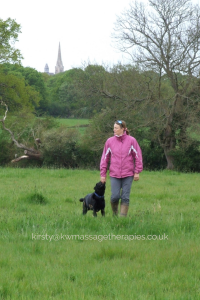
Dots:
{"x": 98, "y": 195}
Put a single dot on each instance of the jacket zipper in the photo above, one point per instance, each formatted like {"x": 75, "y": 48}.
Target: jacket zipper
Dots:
{"x": 121, "y": 156}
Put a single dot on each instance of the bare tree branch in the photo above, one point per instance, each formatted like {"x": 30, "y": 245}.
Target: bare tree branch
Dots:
{"x": 165, "y": 38}
{"x": 31, "y": 152}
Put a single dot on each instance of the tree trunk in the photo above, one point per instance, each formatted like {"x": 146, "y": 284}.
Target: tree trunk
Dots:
{"x": 170, "y": 159}
{"x": 168, "y": 144}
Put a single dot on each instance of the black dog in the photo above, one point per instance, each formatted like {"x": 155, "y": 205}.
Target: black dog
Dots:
{"x": 95, "y": 201}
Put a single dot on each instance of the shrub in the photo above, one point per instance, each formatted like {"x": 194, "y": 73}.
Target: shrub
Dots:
{"x": 60, "y": 147}
{"x": 153, "y": 155}
{"x": 188, "y": 159}
{"x": 88, "y": 158}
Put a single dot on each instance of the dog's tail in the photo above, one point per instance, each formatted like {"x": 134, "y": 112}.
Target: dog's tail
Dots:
{"x": 81, "y": 200}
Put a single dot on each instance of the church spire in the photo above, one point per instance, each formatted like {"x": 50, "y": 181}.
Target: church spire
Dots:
{"x": 59, "y": 65}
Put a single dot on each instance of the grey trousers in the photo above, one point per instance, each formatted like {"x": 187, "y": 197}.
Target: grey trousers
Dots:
{"x": 121, "y": 188}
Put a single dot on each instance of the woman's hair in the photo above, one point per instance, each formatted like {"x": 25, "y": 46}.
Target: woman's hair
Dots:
{"x": 122, "y": 124}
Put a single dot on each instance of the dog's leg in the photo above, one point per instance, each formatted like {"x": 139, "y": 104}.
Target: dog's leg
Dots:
{"x": 94, "y": 213}
{"x": 84, "y": 208}
{"x": 103, "y": 212}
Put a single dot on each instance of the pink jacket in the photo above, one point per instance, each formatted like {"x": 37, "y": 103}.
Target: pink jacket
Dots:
{"x": 125, "y": 157}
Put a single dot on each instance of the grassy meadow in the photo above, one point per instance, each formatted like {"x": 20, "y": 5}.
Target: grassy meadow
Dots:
{"x": 73, "y": 122}
{"x": 48, "y": 250}
{"x": 81, "y": 124}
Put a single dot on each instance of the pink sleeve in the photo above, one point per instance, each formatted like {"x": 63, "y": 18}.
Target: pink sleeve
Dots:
{"x": 138, "y": 158}
{"x": 104, "y": 160}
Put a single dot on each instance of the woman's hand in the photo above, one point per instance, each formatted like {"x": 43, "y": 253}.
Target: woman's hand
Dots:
{"x": 136, "y": 177}
{"x": 103, "y": 179}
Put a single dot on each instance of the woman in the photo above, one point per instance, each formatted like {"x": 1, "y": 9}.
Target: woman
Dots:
{"x": 125, "y": 156}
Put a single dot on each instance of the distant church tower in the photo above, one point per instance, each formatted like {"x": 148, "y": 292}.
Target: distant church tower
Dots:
{"x": 59, "y": 65}
{"x": 46, "y": 69}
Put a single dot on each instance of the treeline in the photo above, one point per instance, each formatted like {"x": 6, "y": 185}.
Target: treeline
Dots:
{"x": 66, "y": 147}
{"x": 103, "y": 95}
{"x": 158, "y": 94}
{"x": 61, "y": 95}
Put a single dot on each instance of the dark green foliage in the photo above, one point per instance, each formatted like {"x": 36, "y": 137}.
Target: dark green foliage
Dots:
{"x": 88, "y": 158}
{"x": 60, "y": 147}
{"x": 15, "y": 93}
{"x": 58, "y": 109}
{"x": 70, "y": 92}
{"x": 6, "y": 148}
{"x": 64, "y": 97}
{"x": 33, "y": 79}
{"x": 64, "y": 147}
{"x": 188, "y": 159}
{"x": 153, "y": 155}
{"x": 44, "y": 124}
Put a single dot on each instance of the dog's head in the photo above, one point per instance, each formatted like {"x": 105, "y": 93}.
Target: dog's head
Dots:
{"x": 100, "y": 188}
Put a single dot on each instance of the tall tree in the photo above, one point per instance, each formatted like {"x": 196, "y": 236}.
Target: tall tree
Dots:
{"x": 16, "y": 93}
{"x": 9, "y": 30}
{"x": 33, "y": 79}
{"x": 164, "y": 36}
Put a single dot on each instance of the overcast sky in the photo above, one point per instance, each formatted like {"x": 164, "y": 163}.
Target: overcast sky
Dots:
{"x": 83, "y": 28}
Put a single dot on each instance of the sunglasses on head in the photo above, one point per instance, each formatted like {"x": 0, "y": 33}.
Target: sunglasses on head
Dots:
{"x": 118, "y": 121}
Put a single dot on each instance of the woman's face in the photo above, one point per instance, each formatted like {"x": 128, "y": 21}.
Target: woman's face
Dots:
{"x": 118, "y": 130}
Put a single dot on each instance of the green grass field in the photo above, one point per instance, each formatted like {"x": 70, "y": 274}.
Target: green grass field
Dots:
{"x": 81, "y": 124}
{"x": 48, "y": 250}
{"x": 73, "y": 122}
